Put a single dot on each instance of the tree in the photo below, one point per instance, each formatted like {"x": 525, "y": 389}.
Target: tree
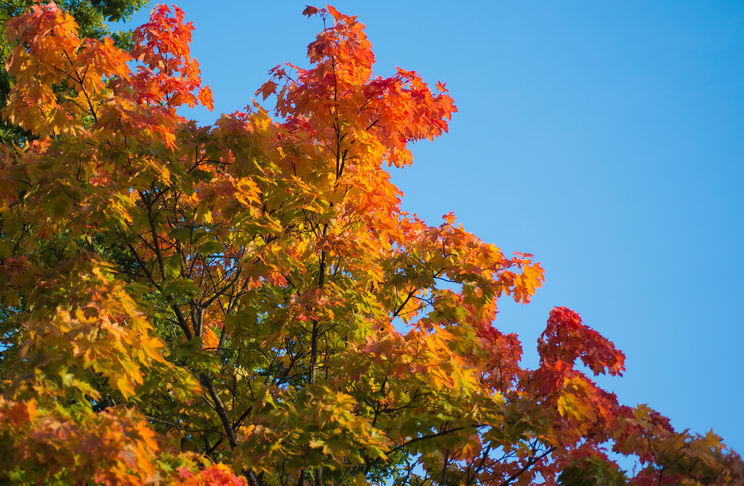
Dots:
{"x": 247, "y": 302}
{"x": 90, "y": 16}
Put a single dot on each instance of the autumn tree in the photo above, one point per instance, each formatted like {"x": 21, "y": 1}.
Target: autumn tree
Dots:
{"x": 248, "y": 303}
{"x": 91, "y": 17}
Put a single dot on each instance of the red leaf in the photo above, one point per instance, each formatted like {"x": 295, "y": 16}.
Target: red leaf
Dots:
{"x": 309, "y": 11}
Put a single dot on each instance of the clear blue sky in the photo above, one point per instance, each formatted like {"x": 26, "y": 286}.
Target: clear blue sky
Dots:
{"x": 607, "y": 138}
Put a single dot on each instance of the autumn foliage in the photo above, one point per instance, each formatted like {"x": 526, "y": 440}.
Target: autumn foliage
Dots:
{"x": 246, "y": 303}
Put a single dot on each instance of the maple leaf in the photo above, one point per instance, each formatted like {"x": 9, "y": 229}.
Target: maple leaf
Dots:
{"x": 309, "y": 11}
{"x": 268, "y": 88}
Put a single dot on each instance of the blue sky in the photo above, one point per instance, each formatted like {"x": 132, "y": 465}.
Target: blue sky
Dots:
{"x": 606, "y": 138}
